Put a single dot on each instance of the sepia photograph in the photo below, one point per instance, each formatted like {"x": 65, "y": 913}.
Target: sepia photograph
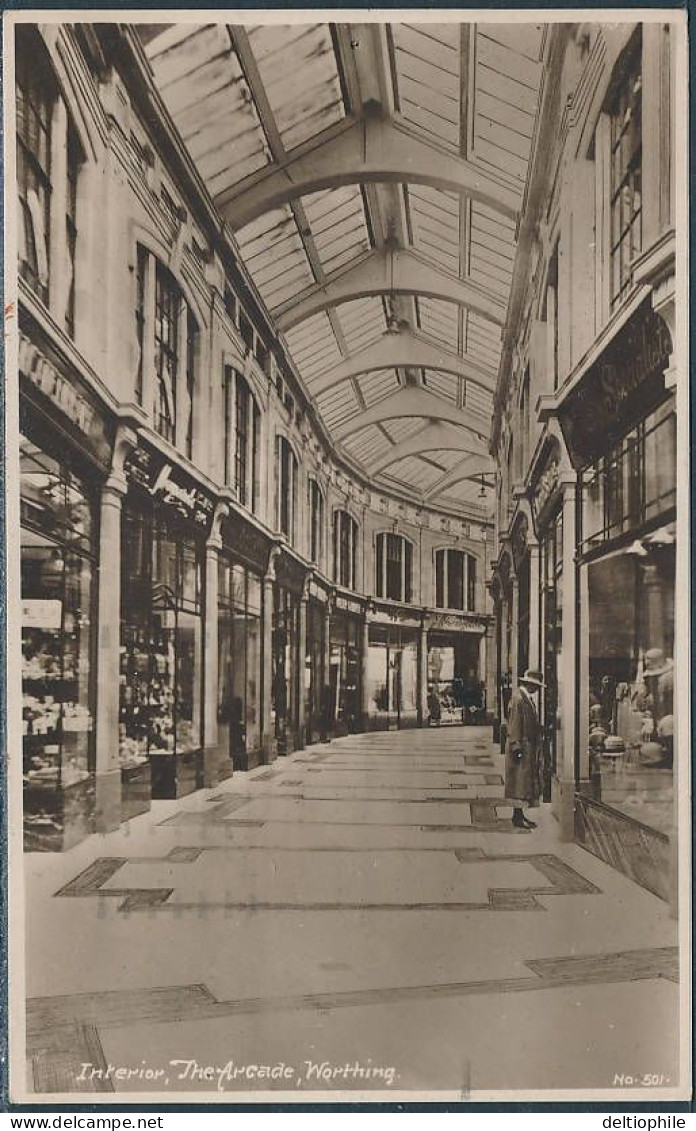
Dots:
{"x": 347, "y": 556}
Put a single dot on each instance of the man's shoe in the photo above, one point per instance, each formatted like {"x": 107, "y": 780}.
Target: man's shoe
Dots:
{"x": 527, "y": 824}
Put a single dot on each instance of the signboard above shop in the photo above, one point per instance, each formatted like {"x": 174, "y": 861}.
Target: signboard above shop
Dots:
{"x": 49, "y": 384}
{"x": 623, "y": 385}
{"x": 170, "y": 486}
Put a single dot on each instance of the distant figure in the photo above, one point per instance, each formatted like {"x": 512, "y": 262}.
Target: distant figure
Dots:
{"x": 523, "y": 750}
{"x": 326, "y": 713}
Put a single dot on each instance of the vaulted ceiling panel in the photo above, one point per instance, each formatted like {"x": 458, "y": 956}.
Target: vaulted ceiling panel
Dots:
{"x": 313, "y": 347}
{"x": 364, "y": 443}
{"x": 274, "y": 252}
{"x": 337, "y": 222}
{"x": 298, "y": 69}
{"x": 377, "y": 385}
{"x": 338, "y": 405}
{"x": 428, "y": 78}
{"x": 362, "y": 322}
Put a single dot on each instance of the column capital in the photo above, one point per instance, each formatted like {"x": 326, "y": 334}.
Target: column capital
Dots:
{"x": 114, "y": 488}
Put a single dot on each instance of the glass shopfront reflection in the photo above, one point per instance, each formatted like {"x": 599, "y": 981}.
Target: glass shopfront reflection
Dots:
{"x": 392, "y": 674}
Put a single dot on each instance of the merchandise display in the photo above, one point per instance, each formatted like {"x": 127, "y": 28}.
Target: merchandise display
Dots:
{"x": 57, "y": 715}
{"x": 631, "y": 708}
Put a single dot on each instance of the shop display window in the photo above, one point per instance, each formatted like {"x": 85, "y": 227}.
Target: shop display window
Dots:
{"x": 239, "y": 644}
{"x": 161, "y": 639}
{"x": 628, "y": 535}
{"x": 392, "y": 674}
{"x": 631, "y": 679}
{"x": 57, "y": 558}
{"x": 344, "y": 670}
{"x": 317, "y": 707}
{"x": 285, "y": 649}
{"x": 455, "y": 693}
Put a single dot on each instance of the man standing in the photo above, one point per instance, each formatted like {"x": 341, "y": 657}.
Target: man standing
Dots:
{"x": 523, "y": 750}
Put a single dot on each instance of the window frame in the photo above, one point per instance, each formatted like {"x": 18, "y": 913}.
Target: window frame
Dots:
{"x": 386, "y": 543}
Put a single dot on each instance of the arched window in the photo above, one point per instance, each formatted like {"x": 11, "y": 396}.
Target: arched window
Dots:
{"x": 241, "y": 441}
{"x": 393, "y": 567}
{"x": 455, "y": 580}
{"x": 167, "y": 333}
{"x": 316, "y": 522}
{"x": 345, "y": 541}
{"x": 286, "y": 488}
{"x": 48, "y": 160}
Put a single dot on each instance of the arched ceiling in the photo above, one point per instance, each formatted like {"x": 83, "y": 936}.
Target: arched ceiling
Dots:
{"x": 372, "y": 175}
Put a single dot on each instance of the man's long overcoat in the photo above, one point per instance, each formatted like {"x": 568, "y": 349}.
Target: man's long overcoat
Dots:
{"x": 522, "y": 777}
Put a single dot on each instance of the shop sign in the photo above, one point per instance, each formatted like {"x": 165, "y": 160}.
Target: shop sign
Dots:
{"x": 290, "y": 573}
{"x": 344, "y": 605}
{"x": 65, "y": 394}
{"x": 619, "y": 390}
{"x": 246, "y": 542}
{"x": 393, "y": 616}
{"x": 449, "y": 621}
{"x": 45, "y": 614}
{"x": 171, "y": 486}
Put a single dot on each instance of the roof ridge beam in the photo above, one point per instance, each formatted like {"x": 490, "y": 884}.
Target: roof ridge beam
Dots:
{"x": 368, "y": 148}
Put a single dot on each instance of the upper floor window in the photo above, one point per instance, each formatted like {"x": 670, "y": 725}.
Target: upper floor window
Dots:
{"x": 246, "y": 451}
{"x": 48, "y": 160}
{"x": 345, "y": 540}
{"x": 393, "y": 567}
{"x": 286, "y": 487}
{"x": 455, "y": 580}
{"x": 246, "y": 330}
{"x": 167, "y": 333}
{"x": 552, "y": 314}
{"x": 625, "y": 115}
{"x": 316, "y": 522}
{"x": 524, "y": 424}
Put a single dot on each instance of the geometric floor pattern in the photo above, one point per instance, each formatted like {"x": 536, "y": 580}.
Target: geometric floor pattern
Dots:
{"x": 363, "y": 903}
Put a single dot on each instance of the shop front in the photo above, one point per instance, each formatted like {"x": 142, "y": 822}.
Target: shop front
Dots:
{"x": 392, "y": 671}
{"x": 65, "y": 453}
{"x": 456, "y": 691}
{"x": 345, "y": 665}
{"x": 626, "y": 459}
{"x": 242, "y": 562}
{"x": 285, "y": 654}
{"x": 165, "y": 520}
{"x": 317, "y": 704}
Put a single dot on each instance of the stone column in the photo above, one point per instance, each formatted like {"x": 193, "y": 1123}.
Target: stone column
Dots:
{"x": 534, "y": 605}
{"x": 108, "y": 765}
{"x": 267, "y": 736}
{"x": 364, "y": 689}
{"x": 108, "y": 769}
{"x": 423, "y": 675}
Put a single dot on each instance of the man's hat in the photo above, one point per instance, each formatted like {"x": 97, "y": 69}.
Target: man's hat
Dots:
{"x": 533, "y": 678}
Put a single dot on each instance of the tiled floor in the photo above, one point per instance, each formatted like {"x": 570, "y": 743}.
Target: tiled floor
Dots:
{"x": 365, "y": 906}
